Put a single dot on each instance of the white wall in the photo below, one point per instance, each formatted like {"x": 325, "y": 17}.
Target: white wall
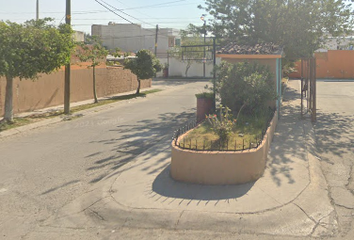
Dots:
{"x": 132, "y": 38}
{"x": 178, "y": 68}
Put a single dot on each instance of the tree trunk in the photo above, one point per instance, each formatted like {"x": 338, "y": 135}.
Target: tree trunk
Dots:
{"x": 94, "y": 84}
{"x": 139, "y": 83}
{"x": 9, "y": 100}
{"x": 187, "y": 68}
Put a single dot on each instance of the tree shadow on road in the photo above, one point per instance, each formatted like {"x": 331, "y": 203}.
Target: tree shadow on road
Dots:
{"x": 334, "y": 134}
{"x": 136, "y": 139}
{"x": 141, "y": 139}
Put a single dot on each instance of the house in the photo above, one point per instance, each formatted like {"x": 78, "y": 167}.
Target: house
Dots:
{"x": 337, "y": 43}
{"x": 268, "y": 54}
{"x": 132, "y": 37}
{"x": 79, "y": 36}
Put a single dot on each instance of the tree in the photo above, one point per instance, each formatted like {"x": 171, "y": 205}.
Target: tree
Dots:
{"x": 95, "y": 54}
{"x": 190, "y": 37}
{"x": 144, "y": 66}
{"x": 300, "y": 26}
{"x": 29, "y": 49}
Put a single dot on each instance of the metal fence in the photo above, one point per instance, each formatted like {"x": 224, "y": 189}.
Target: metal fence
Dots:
{"x": 216, "y": 145}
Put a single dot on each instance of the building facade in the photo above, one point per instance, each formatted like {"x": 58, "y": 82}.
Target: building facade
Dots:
{"x": 132, "y": 37}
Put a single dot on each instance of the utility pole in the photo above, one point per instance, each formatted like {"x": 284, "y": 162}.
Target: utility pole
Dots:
{"x": 67, "y": 67}
{"x": 214, "y": 72}
{"x": 156, "y": 37}
{"x": 204, "y": 58}
{"x": 37, "y": 10}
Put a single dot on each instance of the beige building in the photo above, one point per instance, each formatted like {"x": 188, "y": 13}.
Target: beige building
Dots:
{"x": 132, "y": 37}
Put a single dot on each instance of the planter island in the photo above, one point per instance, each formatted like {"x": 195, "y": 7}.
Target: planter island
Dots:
{"x": 221, "y": 167}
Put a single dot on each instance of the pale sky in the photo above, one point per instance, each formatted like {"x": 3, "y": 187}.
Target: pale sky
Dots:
{"x": 167, "y": 13}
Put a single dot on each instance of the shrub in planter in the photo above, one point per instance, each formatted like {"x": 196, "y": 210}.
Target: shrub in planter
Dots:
{"x": 222, "y": 125}
{"x": 245, "y": 86}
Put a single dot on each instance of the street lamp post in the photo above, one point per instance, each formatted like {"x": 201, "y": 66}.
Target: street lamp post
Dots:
{"x": 204, "y": 28}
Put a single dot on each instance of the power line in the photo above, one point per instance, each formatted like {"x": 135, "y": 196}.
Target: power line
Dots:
{"x": 168, "y": 4}
{"x": 114, "y": 12}
{"x": 124, "y": 13}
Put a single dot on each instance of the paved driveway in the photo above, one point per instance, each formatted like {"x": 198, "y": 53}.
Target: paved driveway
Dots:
{"x": 335, "y": 141}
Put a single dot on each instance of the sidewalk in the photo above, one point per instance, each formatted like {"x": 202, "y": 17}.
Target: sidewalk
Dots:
{"x": 290, "y": 200}
{"x": 156, "y": 84}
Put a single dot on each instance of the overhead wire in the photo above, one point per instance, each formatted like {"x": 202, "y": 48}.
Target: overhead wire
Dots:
{"x": 124, "y": 12}
{"x": 114, "y": 12}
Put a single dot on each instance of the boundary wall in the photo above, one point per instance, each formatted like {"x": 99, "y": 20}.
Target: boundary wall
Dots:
{"x": 48, "y": 90}
{"x": 333, "y": 64}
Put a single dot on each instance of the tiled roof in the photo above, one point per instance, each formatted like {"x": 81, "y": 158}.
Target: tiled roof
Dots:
{"x": 266, "y": 49}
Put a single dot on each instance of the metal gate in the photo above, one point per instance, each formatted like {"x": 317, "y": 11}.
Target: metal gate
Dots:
{"x": 308, "y": 87}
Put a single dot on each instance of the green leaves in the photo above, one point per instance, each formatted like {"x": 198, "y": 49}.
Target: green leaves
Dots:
{"x": 223, "y": 125}
{"x": 298, "y": 25}
{"x": 144, "y": 66}
{"x": 33, "y": 47}
{"x": 245, "y": 84}
{"x": 94, "y": 52}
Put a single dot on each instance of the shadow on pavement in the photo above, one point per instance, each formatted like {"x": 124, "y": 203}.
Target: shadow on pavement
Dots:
{"x": 289, "y": 143}
{"x": 164, "y": 185}
{"x": 138, "y": 138}
{"x": 334, "y": 134}
{"x": 143, "y": 137}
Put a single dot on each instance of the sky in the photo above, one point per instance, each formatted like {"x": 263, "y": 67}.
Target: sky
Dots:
{"x": 166, "y": 13}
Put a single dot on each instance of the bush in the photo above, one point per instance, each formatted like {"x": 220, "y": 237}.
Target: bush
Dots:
{"x": 205, "y": 95}
{"x": 223, "y": 125}
{"x": 245, "y": 85}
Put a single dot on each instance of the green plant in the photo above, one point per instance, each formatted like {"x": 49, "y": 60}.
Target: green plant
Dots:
{"x": 95, "y": 54}
{"x": 144, "y": 66}
{"x": 29, "y": 49}
{"x": 300, "y": 26}
{"x": 223, "y": 125}
{"x": 205, "y": 95}
{"x": 245, "y": 86}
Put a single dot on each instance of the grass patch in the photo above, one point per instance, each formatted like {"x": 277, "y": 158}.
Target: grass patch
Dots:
{"x": 50, "y": 114}
{"x": 247, "y": 132}
{"x": 18, "y": 122}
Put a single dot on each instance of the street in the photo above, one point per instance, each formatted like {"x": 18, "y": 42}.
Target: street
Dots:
{"x": 335, "y": 143}
{"x": 44, "y": 169}
{"x": 54, "y": 180}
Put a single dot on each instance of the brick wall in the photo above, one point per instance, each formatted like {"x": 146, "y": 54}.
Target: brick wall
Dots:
{"x": 48, "y": 90}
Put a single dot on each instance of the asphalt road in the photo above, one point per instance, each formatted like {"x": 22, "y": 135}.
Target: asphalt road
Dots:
{"x": 335, "y": 143}
{"x": 44, "y": 169}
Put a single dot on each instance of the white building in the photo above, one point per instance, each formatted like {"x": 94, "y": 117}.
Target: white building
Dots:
{"x": 79, "y": 36}
{"x": 132, "y": 37}
{"x": 338, "y": 43}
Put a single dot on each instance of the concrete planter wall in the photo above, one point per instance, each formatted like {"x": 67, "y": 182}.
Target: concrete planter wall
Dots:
{"x": 219, "y": 168}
